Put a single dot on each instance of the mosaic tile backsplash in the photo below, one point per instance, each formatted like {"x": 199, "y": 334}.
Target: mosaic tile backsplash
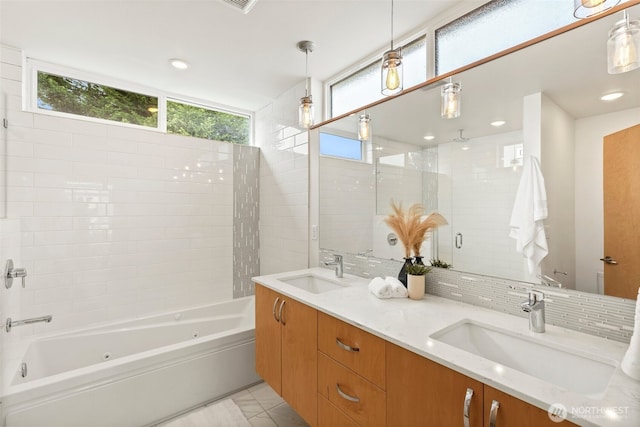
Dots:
{"x": 600, "y": 315}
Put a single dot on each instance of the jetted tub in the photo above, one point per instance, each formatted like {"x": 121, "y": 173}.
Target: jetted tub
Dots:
{"x": 134, "y": 373}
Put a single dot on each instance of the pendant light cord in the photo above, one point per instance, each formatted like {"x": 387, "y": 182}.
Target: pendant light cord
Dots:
{"x": 306, "y": 72}
{"x": 391, "y": 24}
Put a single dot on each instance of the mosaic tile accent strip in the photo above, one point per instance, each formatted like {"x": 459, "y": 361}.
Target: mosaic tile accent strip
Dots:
{"x": 600, "y": 315}
{"x": 246, "y": 215}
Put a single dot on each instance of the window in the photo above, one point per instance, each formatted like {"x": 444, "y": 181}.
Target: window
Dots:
{"x": 58, "y": 91}
{"x": 340, "y": 146}
{"x": 363, "y": 86}
{"x": 201, "y": 122}
{"x": 494, "y": 27}
{"x": 83, "y": 98}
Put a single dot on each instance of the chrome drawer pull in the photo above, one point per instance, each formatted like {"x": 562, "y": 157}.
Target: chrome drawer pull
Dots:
{"x": 346, "y": 396}
{"x": 467, "y": 407}
{"x": 274, "y": 309}
{"x": 346, "y": 347}
{"x": 280, "y": 315}
{"x": 494, "y": 413}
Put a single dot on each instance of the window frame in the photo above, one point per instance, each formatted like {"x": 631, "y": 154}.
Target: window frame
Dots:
{"x": 346, "y": 135}
{"x": 32, "y": 67}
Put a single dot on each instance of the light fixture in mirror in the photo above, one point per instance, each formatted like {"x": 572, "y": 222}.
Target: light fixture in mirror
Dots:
{"x": 391, "y": 70}
{"x": 623, "y": 46}
{"x": 451, "y": 100}
{"x": 364, "y": 128}
{"x": 587, "y": 8}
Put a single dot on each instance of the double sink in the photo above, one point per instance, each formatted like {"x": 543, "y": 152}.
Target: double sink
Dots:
{"x": 586, "y": 374}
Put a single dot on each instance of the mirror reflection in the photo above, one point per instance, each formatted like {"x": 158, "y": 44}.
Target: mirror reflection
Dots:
{"x": 542, "y": 101}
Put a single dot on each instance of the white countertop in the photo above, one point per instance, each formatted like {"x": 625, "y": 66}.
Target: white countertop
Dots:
{"x": 409, "y": 324}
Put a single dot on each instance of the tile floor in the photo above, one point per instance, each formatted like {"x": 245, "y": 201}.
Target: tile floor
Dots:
{"x": 260, "y": 405}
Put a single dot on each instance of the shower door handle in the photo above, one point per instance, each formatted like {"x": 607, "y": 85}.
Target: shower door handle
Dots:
{"x": 459, "y": 240}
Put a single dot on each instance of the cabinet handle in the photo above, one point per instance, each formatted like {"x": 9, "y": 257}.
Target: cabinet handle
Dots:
{"x": 494, "y": 413}
{"x": 467, "y": 407}
{"x": 274, "y": 309}
{"x": 345, "y": 395}
{"x": 346, "y": 347}
{"x": 280, "y": 314}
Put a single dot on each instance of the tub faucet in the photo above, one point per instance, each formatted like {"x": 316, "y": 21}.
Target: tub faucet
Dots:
{"x": 337, "y": 261}
{"x": 535, "y": 307}
{"x": 11, "y": 323}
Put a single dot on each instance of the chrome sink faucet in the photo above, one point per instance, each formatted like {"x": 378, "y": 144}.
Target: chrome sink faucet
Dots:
{"x": 337, "y": 261}
{"x": 535, "y": 307}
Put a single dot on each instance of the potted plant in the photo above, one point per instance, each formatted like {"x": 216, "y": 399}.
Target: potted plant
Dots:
{"x": 415, "y": 280}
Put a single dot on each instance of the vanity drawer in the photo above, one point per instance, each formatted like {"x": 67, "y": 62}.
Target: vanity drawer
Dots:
{"x": 330, "y": 416}
{"x": 361, "y": 400}
{"x": 356, "y": 349}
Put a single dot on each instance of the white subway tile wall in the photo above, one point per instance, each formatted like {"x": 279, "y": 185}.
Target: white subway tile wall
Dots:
{"x": 113, "y": 221}
{"x": 284, "y": 185}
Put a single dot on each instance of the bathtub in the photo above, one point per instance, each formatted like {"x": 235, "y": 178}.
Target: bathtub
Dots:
{"x": 134, "y": 373}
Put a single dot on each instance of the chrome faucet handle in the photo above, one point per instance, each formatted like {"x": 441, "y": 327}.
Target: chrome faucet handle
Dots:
{"x": 11, "y": 273}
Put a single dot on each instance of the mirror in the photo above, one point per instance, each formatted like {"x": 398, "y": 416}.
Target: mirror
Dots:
{"x": 548, "y": 94}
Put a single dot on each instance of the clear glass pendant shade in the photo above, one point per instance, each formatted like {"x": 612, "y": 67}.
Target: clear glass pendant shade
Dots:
{"x": 450, "y": 101}
{"x": 623, "y": 46}
{"x": 364, "y": 128}
{"x": 391, "y": 72}
{"x": 587, "y": 8}
{"x": 305, "y": 112}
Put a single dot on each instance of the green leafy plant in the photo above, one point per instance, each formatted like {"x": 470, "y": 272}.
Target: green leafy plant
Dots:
{"x": 418, "y": 269}
{"x": 439, "y": 263}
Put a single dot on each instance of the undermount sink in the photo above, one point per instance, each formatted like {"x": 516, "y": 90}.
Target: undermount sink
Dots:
{"x": 312, "y": 283}
{"x": 585, "y": 374}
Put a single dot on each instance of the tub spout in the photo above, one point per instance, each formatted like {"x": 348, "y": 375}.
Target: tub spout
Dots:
{"x": 11, "y": 323}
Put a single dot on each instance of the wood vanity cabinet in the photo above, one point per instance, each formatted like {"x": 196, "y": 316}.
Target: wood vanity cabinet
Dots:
{"x": 287, "y": 349}
{"x": 351, "y": 375}
{"x": 421, "y": 392}
{"x": 515, "y": 412}
{"x": 424, "y": 393}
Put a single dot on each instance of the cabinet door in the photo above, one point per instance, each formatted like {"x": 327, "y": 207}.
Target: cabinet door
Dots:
{"x": 300, "y": 358}
{"x": 268, "y": 338}
{"x": 514, "y": 412}
{"x": 423, "y": 393}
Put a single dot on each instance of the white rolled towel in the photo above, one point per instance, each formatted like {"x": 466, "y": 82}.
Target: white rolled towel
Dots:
{"x": 397, "y": 288}
{"x": 631, "y": 361}
{"x": 380, "y": 288}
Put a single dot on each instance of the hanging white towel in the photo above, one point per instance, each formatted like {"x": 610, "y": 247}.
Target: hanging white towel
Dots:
{"x": 529, "y": 211}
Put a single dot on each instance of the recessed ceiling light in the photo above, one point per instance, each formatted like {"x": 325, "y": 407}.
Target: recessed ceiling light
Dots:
{"x": 429, "y": 137}
{"x": 498, "y": 123}
{"x": 178, "y": 63}
{"x": 611, "y": 96}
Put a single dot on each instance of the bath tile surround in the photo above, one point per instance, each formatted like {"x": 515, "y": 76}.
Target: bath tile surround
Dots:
{"x": 115, "y": 222}
{"x": 600, "y": 315}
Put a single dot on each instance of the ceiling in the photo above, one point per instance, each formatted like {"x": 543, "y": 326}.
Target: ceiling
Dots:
{"x": 239, "y": 60}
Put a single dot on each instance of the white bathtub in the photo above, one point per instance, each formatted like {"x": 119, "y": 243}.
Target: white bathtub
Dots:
{"x": 135, "y": 373}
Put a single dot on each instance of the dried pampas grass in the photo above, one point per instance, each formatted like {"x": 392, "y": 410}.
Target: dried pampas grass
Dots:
{"x": 410, "y": 227}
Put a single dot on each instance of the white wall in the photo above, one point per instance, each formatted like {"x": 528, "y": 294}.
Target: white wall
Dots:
{"x": 557, "y": 164}
{"x": 284, "y": 183}
{"x": 112, "y": 224}
{"x": 589, "y": 133}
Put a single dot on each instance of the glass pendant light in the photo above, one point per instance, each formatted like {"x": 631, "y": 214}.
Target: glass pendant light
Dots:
{"x": 305, "y": 110}
{"x": 364, "y": 128}
{"x": 391, "y": 71}
{"x": 587, "y": 8}
{"x": 623, "y": 46}
{"x": 450, "y": 100}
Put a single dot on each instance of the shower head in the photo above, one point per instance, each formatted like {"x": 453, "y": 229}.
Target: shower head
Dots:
{"x": 460, "y": 138}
